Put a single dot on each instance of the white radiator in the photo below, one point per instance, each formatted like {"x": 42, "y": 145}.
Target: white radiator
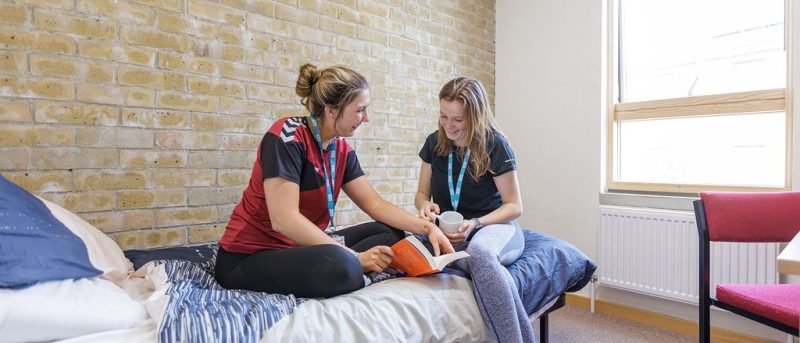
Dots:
{"x": 655, "y": 252}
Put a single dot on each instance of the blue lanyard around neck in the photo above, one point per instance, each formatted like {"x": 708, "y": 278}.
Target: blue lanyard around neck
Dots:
{"x": 329, "y": 182}
{"x": 455, "y": 194}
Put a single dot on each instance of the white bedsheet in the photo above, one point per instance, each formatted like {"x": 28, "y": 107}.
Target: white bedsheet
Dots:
{"x": 439, "y": 308}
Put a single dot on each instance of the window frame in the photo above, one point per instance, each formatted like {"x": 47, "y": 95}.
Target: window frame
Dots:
{"x": 717, "y": 104}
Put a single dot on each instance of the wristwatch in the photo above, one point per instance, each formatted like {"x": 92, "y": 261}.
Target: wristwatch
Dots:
{"x": 478, "y": 224}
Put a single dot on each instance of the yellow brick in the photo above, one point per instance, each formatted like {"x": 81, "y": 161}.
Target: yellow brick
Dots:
{"x": 259, "y": 126}
{"x": 249, "y": 107}
{"x": 220, "y": 159}
{"x": 186, "y": 178}
{"x": 138, "y": 159}
{"x": 233, "y": 177}
{"x": 266, "y": 8}
{"x": 84, "y": 26}
{"x": 35, "y": 135}
{"x": 39, "y": 41}
{"x": 183, "y": 24}
{"x": 206, "y": 234}
{"x": 172, "y": 5}
{"x": 270, "y": 59}
{"x": 233, "y": 35}
{"x": 14, "y": 158}
{"x": 168, "y": 237}
{"x": 152, "y": 79}
{"x": 123, "y": 12}
{"x": 373, "y": 7}
{"x": 215, "y": 12}
{"x": 240, "y": 141}
{"x": 227, "y": 52}
{"x": 70, "y": 68}
{"x": 16, "y": 38}
{"x": 215, "y": 87}
{"x": 186, "y": 63}
{"x": 212, "y": 122}
{"x": 116, "y": 221}
{"x": 292, "y": 14}
{"x": 105, "y": 94}
{"x": 403, "y": 43}
{"x": 91, "y": 180}
{"x": 214, "y": 195}
{"x": 13, "y": 14}
{"x": 155, "y": 119}
{"x": 35, "y": 88}
{"x": 269, "y": 25}
{"x": 187, "y": 102}
{"x": 41, "y": 181}
{"x": 186, "y": 140}
{"x": 184, "y": 216}
{"x": 73, "y": 158}
{"x": 147, "y": 239}
{"x": 18, "y": 111}
{"x": 85, "y": 201}
{"x": 373, "y": 35}
{"x": 336, "y": 26}
{"x": 53, "y": 112}
{"x": 102, "y": 137}
{"x": 154, "y": 39}
{"x": 152, "y": 198}
{"x": 111, "y": 52}
{"x": 271, "y": 93}
{"x": 245, "y": 72}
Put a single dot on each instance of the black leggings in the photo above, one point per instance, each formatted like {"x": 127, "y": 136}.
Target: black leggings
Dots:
{"x": 315, "y": 271}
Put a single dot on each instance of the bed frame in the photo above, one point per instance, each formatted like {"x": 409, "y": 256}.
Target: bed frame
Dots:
{"x": 543, "y": 330}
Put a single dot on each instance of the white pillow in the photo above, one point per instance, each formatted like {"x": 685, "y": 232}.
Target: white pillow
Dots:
{"x": 66, "y": 308}
{"x": 104, "y": 253}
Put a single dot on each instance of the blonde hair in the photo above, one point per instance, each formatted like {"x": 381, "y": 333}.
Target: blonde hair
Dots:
{"x": 480, "y": 121}
{"x": 334, "y": 86}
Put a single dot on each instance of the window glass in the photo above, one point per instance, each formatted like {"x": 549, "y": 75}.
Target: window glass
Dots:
{"x": 681, "y": 48}
{"x": 738, "y": 150}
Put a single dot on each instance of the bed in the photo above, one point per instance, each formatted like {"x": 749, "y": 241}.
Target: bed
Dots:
{"x": 96, "y": 292}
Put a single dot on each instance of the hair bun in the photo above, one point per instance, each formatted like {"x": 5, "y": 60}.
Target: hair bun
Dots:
{"x": 305, "y": 82}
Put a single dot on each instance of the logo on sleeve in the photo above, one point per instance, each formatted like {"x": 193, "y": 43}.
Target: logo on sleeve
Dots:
{"x": 288, "y": 129}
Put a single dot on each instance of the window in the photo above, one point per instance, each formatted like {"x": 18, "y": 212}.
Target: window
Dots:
{"x": 699, "y": 96}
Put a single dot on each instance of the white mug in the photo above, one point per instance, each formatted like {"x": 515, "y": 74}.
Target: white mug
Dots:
{"x": 449, "y": 221}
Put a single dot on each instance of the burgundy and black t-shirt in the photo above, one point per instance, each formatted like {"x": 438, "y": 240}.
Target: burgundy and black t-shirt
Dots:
{"x": 288, "y": 150}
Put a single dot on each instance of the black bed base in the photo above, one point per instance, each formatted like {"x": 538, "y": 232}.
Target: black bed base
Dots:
{"x": 543, "y": 330}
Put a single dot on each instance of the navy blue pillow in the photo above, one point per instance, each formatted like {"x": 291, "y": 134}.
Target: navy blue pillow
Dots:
{"x": 547, "y": 268}
{"x": 34, "y": 245}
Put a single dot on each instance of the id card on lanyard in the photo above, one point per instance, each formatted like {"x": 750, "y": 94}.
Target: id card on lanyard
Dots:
{"x": 329, "y": 181}
{"x": 455, "y": 192}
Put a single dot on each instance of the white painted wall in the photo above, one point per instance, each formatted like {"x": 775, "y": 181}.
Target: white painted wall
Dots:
{"x": 549, "y": 100}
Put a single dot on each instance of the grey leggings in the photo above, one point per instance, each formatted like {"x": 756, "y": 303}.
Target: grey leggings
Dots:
{"x": 491, "y": 249}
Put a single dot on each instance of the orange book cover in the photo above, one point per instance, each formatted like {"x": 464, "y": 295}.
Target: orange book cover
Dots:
{"x": 411, "y": 257}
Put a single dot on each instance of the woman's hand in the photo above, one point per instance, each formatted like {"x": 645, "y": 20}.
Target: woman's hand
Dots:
{"x": 376, "y": 259}
{"x": 428, "y": 211}
{"x": 462, "y": 233}
{"x": 438, "y": 240}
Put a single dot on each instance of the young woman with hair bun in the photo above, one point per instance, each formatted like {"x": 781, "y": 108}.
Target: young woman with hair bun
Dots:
{"x": 281, "y": 237}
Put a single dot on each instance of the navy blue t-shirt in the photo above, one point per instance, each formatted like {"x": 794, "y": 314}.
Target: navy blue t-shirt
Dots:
{"x": 477, "y": 197}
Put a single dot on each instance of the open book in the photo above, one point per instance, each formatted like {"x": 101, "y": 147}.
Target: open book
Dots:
{"x": 411, "y": 257}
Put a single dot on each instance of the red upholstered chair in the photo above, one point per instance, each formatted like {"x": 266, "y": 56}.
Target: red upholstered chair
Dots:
{"x": 748, "y": 217}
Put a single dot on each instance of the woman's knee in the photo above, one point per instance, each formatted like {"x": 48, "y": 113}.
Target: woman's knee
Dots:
{"x": 341, "y": 269}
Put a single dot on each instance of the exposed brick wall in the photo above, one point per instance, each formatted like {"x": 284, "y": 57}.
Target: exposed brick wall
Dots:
{"x": 143, "y": 116}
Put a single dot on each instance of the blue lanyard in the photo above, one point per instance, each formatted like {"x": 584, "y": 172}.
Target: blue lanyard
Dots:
{"x": 329, "y": 182}
{"x": 455, "y": 195}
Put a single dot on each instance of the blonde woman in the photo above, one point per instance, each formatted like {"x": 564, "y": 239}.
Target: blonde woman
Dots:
{"x": 468, "y": 167}
{"x": 281, "y": 237}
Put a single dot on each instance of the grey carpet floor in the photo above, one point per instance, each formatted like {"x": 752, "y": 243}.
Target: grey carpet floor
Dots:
{"x": 576, "y": 324}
